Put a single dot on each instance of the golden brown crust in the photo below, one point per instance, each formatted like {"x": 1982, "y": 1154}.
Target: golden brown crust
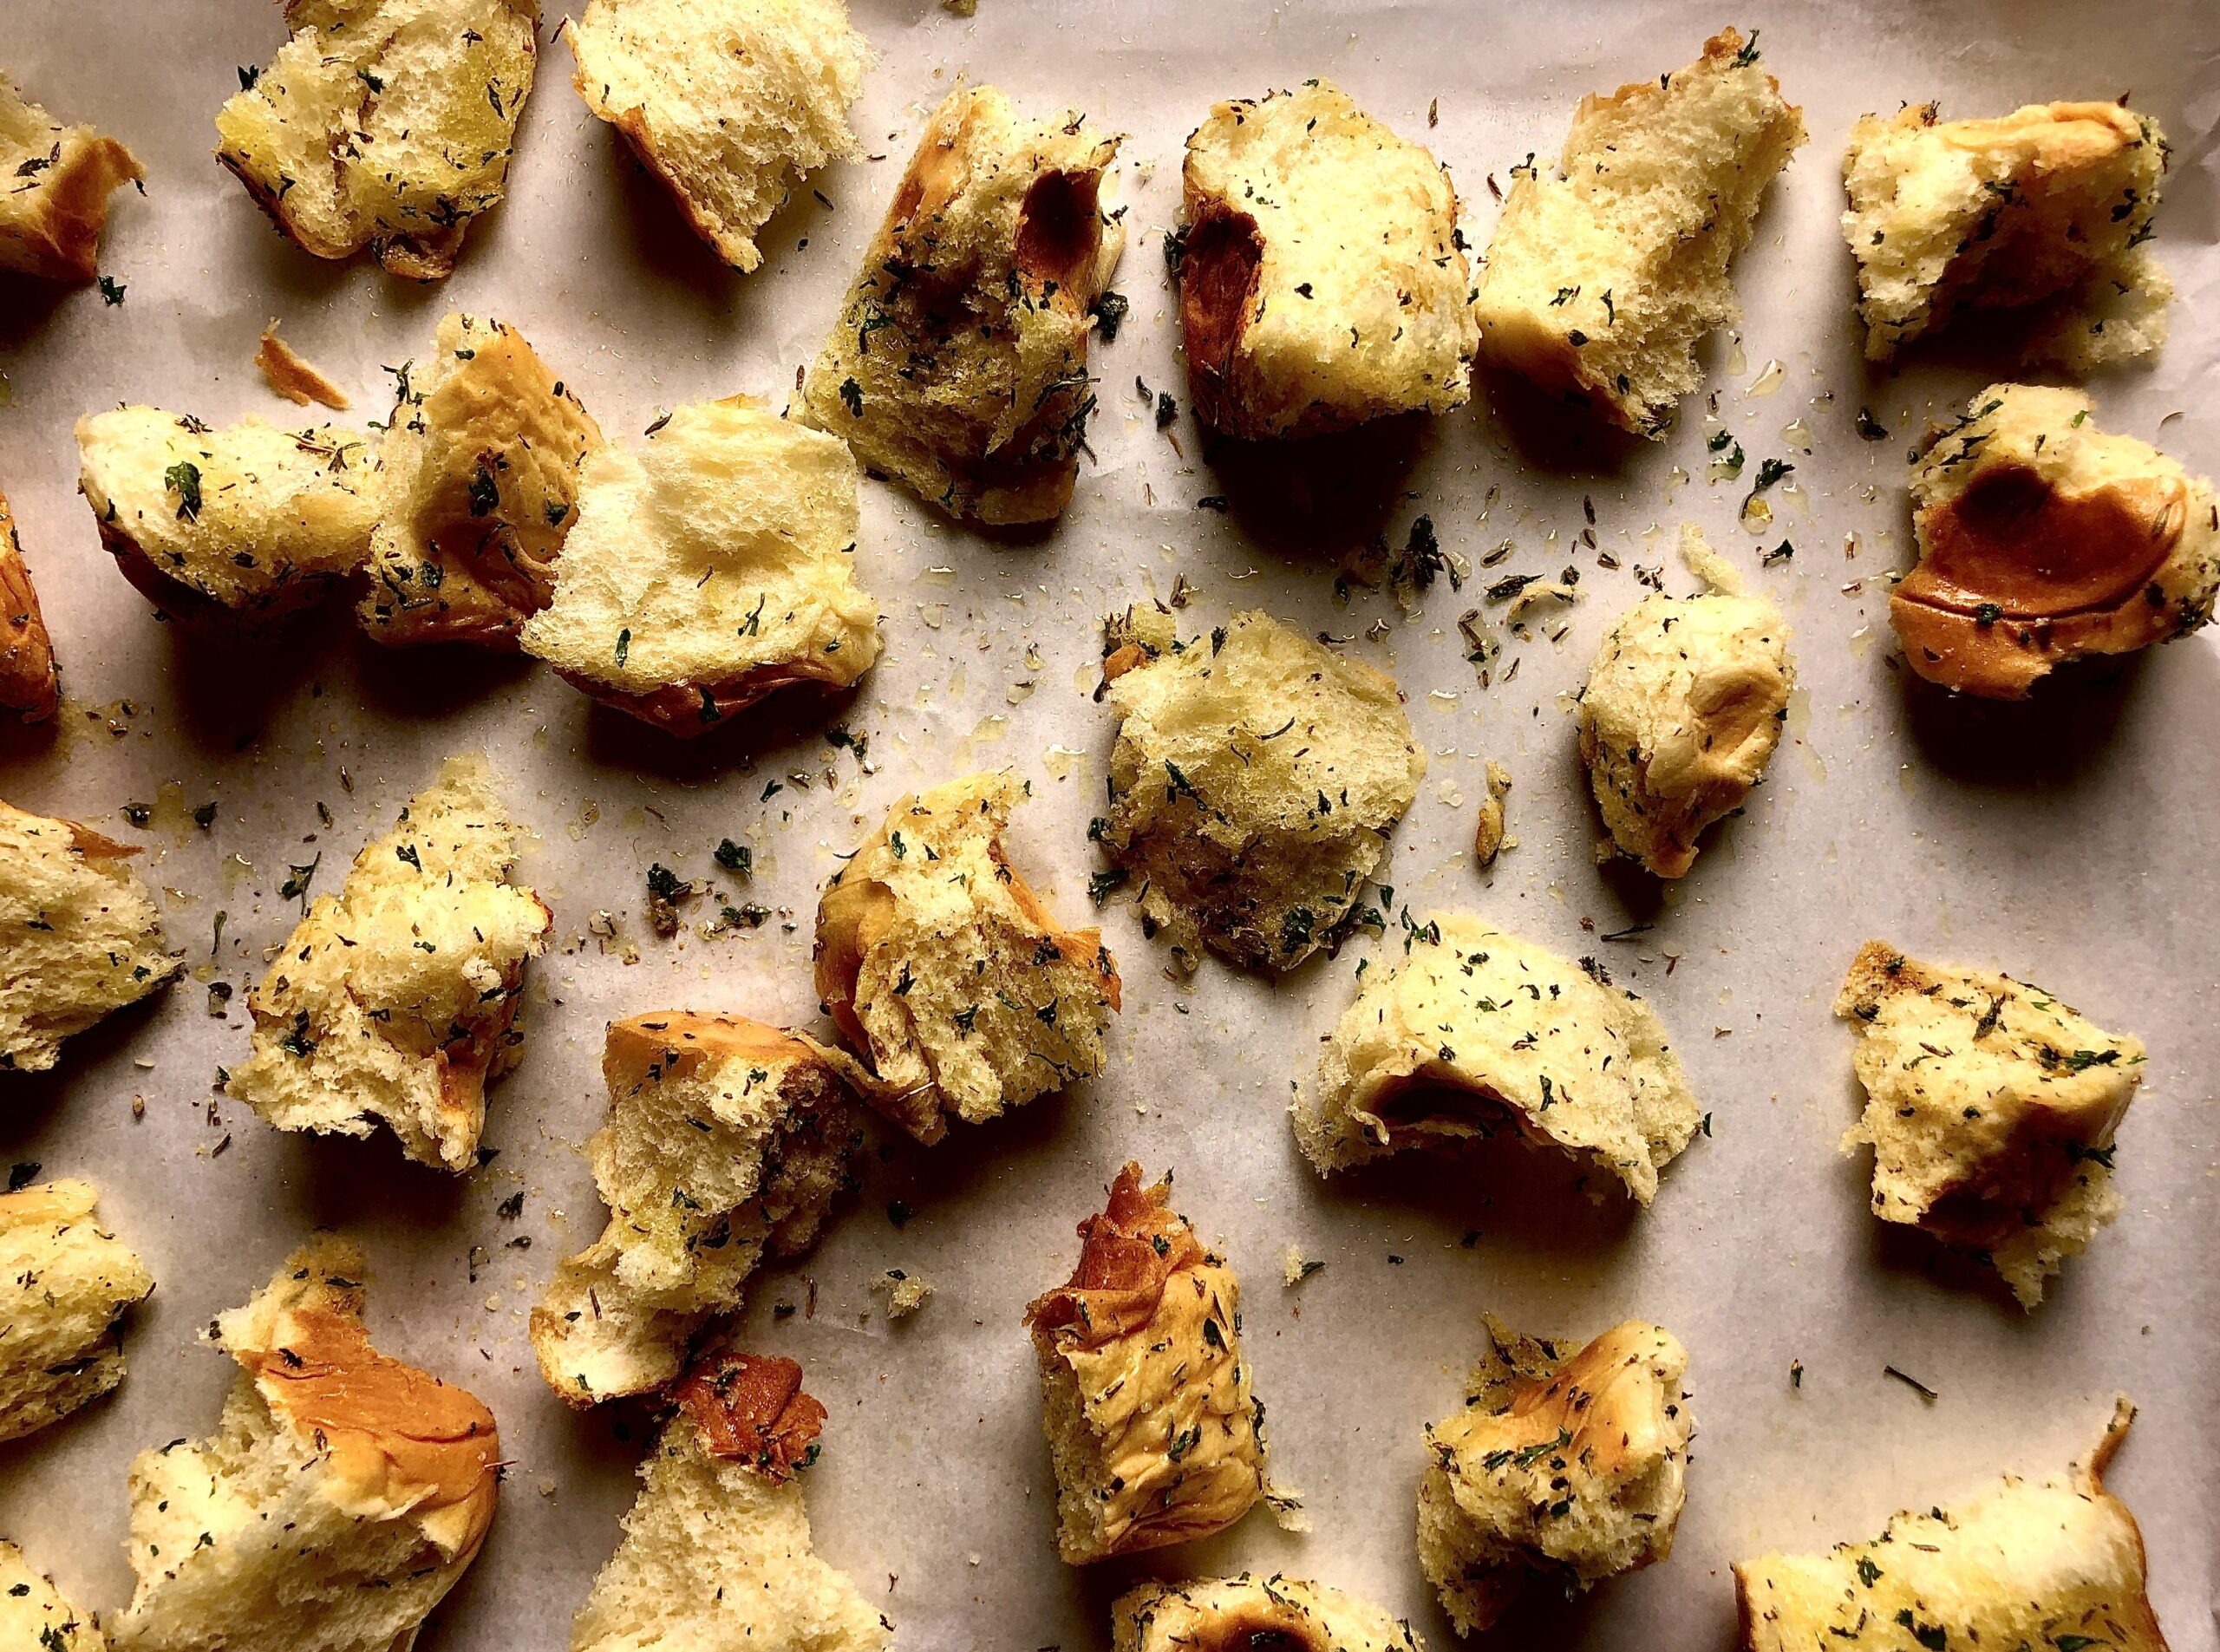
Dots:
{"x": 1129, "y": 1252}
{"x": 293, "y": 378}
{"x": 76, "y": 212}
{"x": 30, "y": 683}
{"x": 750, "y": 1408}
{"x": 2016, "y": 576}
{"x": 686, "y": 710}
{"x": 1218, "y": 275}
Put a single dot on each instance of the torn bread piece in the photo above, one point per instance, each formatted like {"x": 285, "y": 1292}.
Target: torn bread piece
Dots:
{"x": 958, "y": 366}
{"x": 1948, "y": 216}
{"x": 1474, "y": 1031}
{"x": 1682, "y": 710}
{"x": 479, "y": 473}
{"x": 946, "y": 972}
{"x": 66, "y": 1283}
{"x": 1144, "y": 1397}
{"x": 716, "y": 1551}
{"x": 1255, "y": 780}
{"x": 342, "y": 1495}
{"x": 1990, "y": 1107}
{"x": 2043, "y": 540}
{"x": 2053, "y": 1564}
{"x": 1322, "y": 281}
{"x": 293, "y": 376}
{"x": 33, "y": 1613}
{"x": 384, "y": 123}
{"x": 1488, "y": 839}
{"x": 80, "y": 936}
{"x": 731, "y": 103}
{"x": 30, "y": 681}
{"x": 726, "y": 1139}
{"x": 54, "y": 209}
{"x": 1563, "y": 1469}
{"x": 709, "y": 568}
{"x": 249, "y": 520}
{"x": 399, "y": 997}
{"x": 1250, "y": 1614}
{"x": 1606, "y": 272}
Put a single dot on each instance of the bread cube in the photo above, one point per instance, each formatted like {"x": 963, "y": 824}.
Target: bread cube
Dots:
{"x": 1244, "y": 1613}
{"x": 54, "y": 210}
{"x": 66, "y": 1283}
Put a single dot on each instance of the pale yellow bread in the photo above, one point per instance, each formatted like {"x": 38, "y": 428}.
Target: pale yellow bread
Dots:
{"x": 66, "y": 1283}
{"x": 54, "y": 210}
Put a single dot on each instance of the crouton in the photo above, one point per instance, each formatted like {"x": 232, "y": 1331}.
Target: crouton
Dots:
{"x": 54, "y": 210}
{"x": 479, "y": 473}
{"x": 34, "y": 1614}
{"x": 2043, "y": 540}
{"x": 2055, "y": 1563}
{"x": 943, "y": 969}
{"x": 717, "y": 1549}
{"x": 1144, "y": 1397}
{"x": 79, "y": 936}
{"x": 1248, "y": 1614}
{"x": 249, "y": 522}
{"x": 713, "y": 566}
{"x": 731, "y": 103}
{"x": 399, "y": 998}
{"x": 1474, "y": 1031}
{"x": 66, "y": 1283}
{"x": 1322, "y": 281}
{"x": 725, "y": 1139}
{"x": 1255, "y": 780}
{"x": 343, "y": 1495}
{"x": 30, "y": 681}
{"x": 1606, "y": 272}
{"x": 958, "y": 366}
{"x": 1990, "y": 1107}
{"x": 1564, "y": 1468}
{"x": 1681, "y": 713}
{"x": 384, "y": 123}
{"x": 1948, "y": 216}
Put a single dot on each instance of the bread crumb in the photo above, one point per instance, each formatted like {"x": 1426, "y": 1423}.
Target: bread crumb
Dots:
{"x": 906, "y": 1293}
{"x": 294, "y": 378}
{"x": 1488, "y": 840}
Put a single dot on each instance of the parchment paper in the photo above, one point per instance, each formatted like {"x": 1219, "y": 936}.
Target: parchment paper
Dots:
{"x": 2072, "y": 841}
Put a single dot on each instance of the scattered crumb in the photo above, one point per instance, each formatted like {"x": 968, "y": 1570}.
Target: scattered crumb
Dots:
{"x": 293, "y": 378}
{"x": 1295, "y": 1268}
{"x": 1488, "y": 840}
{"x": 906, "y": 1293}
{"x": 960, "y": 7}
{"x": 1286, "y": 1505}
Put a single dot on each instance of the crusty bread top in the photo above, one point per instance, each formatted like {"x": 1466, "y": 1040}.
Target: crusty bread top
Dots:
{"x": 1322, "y": 278}
{"x": 750, "y": 1408}
{"x": 1129, "y": 1252}
{"x": 54, "y": 210}
{"x": 1248, "y": 1614}
{"x": 397, "y": 1441}
{"x": 1617, "y": 1395}
{"x": 2042, "y": 539}
{"x": 30, "y": 683}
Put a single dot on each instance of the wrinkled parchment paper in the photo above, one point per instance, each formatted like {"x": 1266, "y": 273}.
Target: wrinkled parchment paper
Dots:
{"x": 2072, "y": 841}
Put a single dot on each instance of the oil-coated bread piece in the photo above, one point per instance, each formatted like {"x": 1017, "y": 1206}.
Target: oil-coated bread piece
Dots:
{"x": 1946, "y": 216}
{"x": 1322, "y": 278}
{"x": 2043, "y": 540}
{"x": 79, "y": 936}
{"x": 54, "y": 209}
{"x": 945, "y": 970}
{"x": 34, "y": 1616}
{"x": 1605, "y": 273}
{"x": 1990, "y": 1107}
{"x": 477, "y": 476}
{"x": 385, "y": 124}
{"x": 958, "y": 366}
{"x": 1681, "y": 711}
{"x": 1474, "y": 1031}
{"x": 2057, "y": 1565}
{"x": 398, "y": 998}
{"x": 31, "y": 682}
{"x": 1255, "y": 780}
{"x": 342, "y": 1495}
{"x": 1144, "y": 1397}
{"x": 249, "y": 520}
{"x": 725, "y": 1139}
{"x": 65, "y": 1285}
{"x": 1563, "y": 1468}
{"x": 1248, "y": 1614}
{"x": 717, "y": 1553}
{"x": 709, "y": 568}
{"x": 732, "y": 103}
